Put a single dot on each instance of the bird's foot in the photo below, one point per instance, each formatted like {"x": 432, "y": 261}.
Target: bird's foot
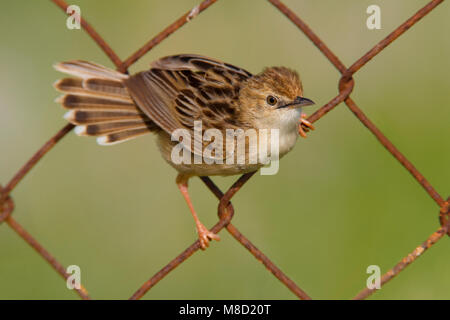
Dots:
{"x": 204, "y": 236}
{"x": 304, "y": 126}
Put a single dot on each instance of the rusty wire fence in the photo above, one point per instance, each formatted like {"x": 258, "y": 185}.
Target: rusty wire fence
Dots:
{"x": 225, "y": 208}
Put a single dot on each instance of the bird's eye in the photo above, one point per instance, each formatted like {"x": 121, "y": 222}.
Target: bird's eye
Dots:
{"x": 271, "y": 100}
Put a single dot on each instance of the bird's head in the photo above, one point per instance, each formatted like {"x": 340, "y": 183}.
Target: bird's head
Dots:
{"x": 274, "y": 97}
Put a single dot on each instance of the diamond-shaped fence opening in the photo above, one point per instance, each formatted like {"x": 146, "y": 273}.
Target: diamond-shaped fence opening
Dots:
{"x": 225, "y": 208}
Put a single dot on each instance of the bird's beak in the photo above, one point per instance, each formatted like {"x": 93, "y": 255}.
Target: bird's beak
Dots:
{"x": 298, "y": 102}
{"x": 303, "y": 102}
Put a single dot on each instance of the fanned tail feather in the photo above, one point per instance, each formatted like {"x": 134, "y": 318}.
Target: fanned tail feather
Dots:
{"x": 99, "y": 104}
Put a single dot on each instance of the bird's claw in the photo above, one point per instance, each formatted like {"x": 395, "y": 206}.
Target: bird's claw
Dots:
{"x": 304, "y": 126}
{"x": 204, "y": 236}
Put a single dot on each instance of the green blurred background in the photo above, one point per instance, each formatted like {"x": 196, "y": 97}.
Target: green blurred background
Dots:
{"x": 339, "y": 203}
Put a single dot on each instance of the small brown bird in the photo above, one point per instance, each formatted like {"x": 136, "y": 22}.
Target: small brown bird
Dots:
{"x": 173, "y": 94}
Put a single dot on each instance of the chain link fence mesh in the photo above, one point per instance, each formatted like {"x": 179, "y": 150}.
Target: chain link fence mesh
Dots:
{"x": 225, "y": 208}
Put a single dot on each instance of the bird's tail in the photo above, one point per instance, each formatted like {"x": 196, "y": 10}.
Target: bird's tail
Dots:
{"x": 99, "y": 104}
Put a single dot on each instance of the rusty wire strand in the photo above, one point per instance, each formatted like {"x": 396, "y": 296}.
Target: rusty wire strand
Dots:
{"x": 33, "y": 160}
{"x": 406, "y": 261}
{"x": 395, "y": 152}
{"x": 225, "y": 208}
{"x": 444, "y": 214}
{"x": 310, "y": 34}
{"x": 82, "y": 292}
{"x": 94, "y": 35}
{"x": 165, "y": 33}
{"x": 393, "y": 36}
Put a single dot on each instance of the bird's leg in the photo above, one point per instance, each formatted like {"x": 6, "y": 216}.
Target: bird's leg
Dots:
{"x": 204, "y": 235}
{"x": 304, "y": 126}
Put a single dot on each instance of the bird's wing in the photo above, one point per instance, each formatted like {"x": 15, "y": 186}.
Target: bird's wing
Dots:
{"x": 181, "y": 89}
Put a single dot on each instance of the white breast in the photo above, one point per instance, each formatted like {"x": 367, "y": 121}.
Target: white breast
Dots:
{"x": 289, "y": 121}
{"x": 286, "y": 121}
